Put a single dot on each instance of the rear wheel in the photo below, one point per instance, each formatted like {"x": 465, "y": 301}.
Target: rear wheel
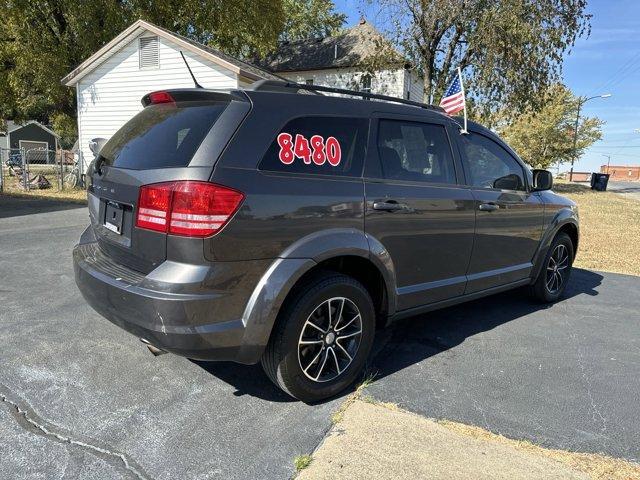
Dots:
{"x": 554, "y": 276}
{"x": 322, "y": 338}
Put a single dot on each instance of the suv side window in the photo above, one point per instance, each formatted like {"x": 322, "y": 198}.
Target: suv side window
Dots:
{"x": 489, "y": 165}
{"x": 414, "y": 151}
{"x": 319, "y": 145}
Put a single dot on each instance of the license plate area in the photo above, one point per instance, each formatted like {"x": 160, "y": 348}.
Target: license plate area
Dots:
{"x": 113, "y": 215}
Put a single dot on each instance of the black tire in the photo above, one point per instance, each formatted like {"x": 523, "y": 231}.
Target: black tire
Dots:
{"x": 282, "y": 360}
{"x": 547, "y": 289}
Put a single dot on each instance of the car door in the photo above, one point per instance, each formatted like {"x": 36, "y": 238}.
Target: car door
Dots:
{"x": 509, "y": 217}
{"x": 418, "y": 208}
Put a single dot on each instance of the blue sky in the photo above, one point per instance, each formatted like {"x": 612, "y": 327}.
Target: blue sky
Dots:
{"x": 608, "y": 61}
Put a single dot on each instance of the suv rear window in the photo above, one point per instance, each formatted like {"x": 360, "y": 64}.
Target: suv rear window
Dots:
{"x": 319, "y": 145}
{"x": 162, "y": 135}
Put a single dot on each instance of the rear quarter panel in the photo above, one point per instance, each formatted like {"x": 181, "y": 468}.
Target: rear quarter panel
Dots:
{"x": 280, "y": 209}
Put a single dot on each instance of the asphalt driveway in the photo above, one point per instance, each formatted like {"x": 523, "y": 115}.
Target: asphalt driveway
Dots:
{"x": 564, "y": 376}
{"x": 84, "y": 379}
{"x": 98, "y": 405}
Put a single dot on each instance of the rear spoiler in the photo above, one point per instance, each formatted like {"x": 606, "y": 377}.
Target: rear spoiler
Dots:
{"x": 189, "y": 95}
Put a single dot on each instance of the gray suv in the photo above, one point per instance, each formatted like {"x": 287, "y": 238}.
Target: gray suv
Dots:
{"x": 278, "y": 225}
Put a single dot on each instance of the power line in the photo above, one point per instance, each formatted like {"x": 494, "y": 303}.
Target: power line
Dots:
{"x": 621, "y": 78}
{"x": 616, "y": 75}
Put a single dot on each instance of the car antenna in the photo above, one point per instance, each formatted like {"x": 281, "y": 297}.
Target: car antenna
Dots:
{"x": 189, "y": 68}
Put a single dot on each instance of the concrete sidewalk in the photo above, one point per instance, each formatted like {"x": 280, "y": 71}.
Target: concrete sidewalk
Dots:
{"x": 374, "y": 441}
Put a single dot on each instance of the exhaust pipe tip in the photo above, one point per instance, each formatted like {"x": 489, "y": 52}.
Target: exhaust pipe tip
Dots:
{"x": 152, "y": 348}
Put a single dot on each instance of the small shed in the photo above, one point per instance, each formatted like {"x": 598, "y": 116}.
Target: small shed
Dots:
{"x": 39, "y": 142}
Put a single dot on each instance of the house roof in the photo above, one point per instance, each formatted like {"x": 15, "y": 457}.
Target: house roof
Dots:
{"x": 237, "y": 66}
{"x": 350, "y": 49}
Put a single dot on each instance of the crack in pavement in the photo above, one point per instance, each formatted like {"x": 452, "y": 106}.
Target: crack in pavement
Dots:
{"x": 27, "y": 415}
{"x": 595, "y": 411}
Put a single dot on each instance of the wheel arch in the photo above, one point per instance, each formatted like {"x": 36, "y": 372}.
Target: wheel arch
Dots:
{"x": 564, "y": 221}
{"x": 344, "y": 251}
{"x": 572, "y": 231}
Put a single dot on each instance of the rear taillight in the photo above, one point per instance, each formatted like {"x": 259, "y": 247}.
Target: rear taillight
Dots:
{"x": 187, "y": 208}
{"x": 154, "y": 204}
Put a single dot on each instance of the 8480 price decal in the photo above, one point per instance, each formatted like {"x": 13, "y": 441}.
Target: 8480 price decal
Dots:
{"x": 316, "y": 150}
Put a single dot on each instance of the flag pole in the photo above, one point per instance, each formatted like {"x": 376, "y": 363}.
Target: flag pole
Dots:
{"x": 464, "y": 130}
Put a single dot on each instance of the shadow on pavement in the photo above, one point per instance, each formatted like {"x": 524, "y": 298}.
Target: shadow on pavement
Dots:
{"x": 430, "y": 334}
{"x": 18, "y": 206}
{"x": 435, "y": 332}
{"x": 246, "y": 379}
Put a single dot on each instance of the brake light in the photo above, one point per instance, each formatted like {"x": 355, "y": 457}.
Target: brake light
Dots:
{"x": 186, "y": 208}
{"x": 154, "y": 203}
{"x": 160, "y": 97}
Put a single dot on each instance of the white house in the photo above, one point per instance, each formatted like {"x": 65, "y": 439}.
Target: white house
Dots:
{"x": 145, "y": 57}
{"x": 343, "y": 61}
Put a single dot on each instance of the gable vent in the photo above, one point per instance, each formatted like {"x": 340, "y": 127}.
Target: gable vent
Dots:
{"x": 149, "y": 53}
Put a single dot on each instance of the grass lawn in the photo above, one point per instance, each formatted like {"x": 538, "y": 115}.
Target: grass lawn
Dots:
{"x": 609, "y": 229}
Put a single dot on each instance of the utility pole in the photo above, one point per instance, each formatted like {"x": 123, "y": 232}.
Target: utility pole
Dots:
{"x": 608, "y": 160}
{"x": 581, "y": 102}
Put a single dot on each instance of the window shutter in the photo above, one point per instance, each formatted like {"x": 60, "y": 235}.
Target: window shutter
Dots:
{"x": 149, "y": 52}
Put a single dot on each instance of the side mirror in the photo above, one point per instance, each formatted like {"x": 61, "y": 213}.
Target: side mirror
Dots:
{"x": 542, "y": 180}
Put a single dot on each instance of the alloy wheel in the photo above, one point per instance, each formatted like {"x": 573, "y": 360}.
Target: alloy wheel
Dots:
{"x": 330, "y": 339}
{"x": 557, "y": 268}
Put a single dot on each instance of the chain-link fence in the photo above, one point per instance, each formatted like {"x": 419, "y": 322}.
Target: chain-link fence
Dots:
{"x": 38, "y": 169}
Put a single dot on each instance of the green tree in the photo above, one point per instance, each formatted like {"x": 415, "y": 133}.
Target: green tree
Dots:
{"x": 43, "y": 40}
{"x": 310, "y": 18}
{"x": 544, "y": 137}
{"x": 507, "y": 49}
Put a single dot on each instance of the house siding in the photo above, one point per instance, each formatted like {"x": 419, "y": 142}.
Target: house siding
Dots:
{"x": 110, "y": 95}
{"x": 415, "y": 85}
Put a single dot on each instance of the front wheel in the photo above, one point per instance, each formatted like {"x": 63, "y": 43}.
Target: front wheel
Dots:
{"x": 322, "y": 338}
{"x": 554, "y": 276}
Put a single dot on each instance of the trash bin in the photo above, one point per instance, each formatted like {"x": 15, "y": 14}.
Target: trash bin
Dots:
{"x": 599, "y": 181}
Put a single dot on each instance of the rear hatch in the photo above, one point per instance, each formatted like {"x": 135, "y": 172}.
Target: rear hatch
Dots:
{"x": 178, "y": 136}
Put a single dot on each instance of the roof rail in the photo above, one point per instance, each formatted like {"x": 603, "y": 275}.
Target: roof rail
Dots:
{"x": 274, "y": 85}
{"x": 283, "y": 86}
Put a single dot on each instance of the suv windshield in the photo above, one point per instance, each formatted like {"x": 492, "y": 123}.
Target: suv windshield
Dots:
{"x": 163, "y": 135}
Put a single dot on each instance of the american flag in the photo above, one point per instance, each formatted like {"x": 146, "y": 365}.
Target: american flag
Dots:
{"x": 453, "y": 100}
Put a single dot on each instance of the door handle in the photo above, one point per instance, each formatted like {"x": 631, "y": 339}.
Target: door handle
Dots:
{"x": 488, "y": 207}
{"x": 389, "y": 206}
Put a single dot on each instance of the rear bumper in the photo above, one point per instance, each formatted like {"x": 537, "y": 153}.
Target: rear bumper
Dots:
{"x": 197, "y": 317}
